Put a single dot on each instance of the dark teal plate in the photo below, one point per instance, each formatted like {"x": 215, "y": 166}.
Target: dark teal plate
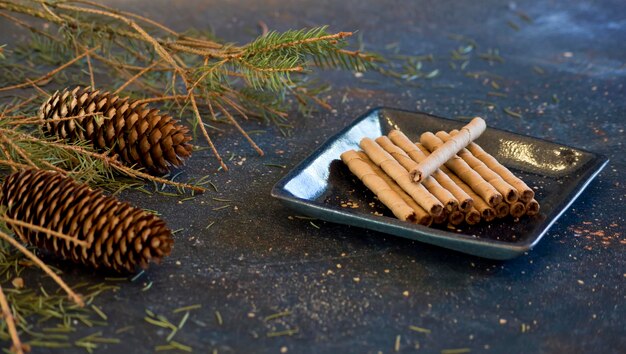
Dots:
{"x": 559, "y": 174}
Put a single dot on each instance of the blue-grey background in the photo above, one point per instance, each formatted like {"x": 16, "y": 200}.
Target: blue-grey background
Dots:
{"x": 351, "y": 290}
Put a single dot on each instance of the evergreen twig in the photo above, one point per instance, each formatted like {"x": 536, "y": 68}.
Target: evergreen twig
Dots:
{"x": 75, "y": 297}
{"x": 10, "y": 321}
{"x": 267, "y": 63}
{"x": 192, "y": 72}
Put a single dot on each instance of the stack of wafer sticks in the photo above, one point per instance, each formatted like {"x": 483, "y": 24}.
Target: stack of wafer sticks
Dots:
{"x": 445, "y": 178}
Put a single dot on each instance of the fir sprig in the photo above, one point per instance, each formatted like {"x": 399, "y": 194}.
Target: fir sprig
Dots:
{"x": 22, "y": 150}
{"x": 161, "y": 62}
{"x": 189, "y": 72}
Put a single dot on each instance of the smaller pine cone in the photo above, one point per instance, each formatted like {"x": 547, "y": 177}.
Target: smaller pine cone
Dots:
{"x": 140, "y": 136}
{"x": 119, "y": 236}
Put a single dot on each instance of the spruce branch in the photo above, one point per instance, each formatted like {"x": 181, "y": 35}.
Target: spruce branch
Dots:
{"x": 193, "y": 73}
{"x": 47, "y": 76}
{"x": 191, "y": 69}
{"x": 41, "y": 264}
{"x": 88, "y": 160}
{"x": 44, "y": 230}
{"x": 8, "y": 317}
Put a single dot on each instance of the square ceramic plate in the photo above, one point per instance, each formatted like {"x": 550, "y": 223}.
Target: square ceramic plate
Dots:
{"x": 321, "y": 183}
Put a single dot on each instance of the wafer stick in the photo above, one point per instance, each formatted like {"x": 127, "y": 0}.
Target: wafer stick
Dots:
{"x": 502, "y": 210}
{"x": 526, "y": 194}
{"x": 387, "y": 163}
{"x": 517, "y": 209}
{"x": 403, "y": 142}
{"x": 486, "y": 212}
{"x": 472, "y": 217}
{"x": 532, "y": 208}
{"x": 441, "y": 218}
{"x": 444, "y": 196}
{"x": 464, "y": 171}
{"x": 447, "y": 151}
{"x": 508, "y": 191}
{"x": 385, "y": 194}
{"x": 456, "y": 217}
{"x": 422, "y": 217}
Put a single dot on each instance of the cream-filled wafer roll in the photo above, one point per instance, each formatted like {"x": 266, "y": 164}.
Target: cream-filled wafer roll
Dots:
{"x": 445, "y": 197}
{"x": 404, "y": 143}
{"x": 387, "y": 163}
{"x": 486, "y": 212}
{"x": 422, "y": 216}
{"x": 532, "y": 208}
{"x": 378, "y": 186}
{"x": 508, "y": 191}
{"x": 464, "y": 171}
{"x": 472, "y": 217}
{"x": 466, "y": 135}
{"x": 441, "y": 218}
{"x": 456, "y": 217}
{"x": 526, "y": 194}
{"x": 502, "y": 210}
{"x": 517, "y": 209}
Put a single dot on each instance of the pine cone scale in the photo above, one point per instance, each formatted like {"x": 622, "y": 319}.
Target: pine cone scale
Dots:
{"x": 170, "y": 154}
{"x": 126, "y": 127}
{"x": 53, "y": 201}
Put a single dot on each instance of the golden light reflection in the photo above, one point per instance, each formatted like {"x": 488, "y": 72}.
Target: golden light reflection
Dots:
{"x": 391, "y": 123}
{"x": 557, "y": 159}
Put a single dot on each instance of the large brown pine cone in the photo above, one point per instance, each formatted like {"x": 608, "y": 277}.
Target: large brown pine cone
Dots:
{"x": 140, "y": 136}
{"x": 119, "y": 236}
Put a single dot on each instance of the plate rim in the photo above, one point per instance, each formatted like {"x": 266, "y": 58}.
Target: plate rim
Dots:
{"x": 512, "y": 249}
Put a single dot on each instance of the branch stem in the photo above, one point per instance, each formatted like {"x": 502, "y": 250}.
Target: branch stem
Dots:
{"x": 48, "y": 232}
{"x": 7, "y": 314}
{"x": 50, "y": 74}
{"x": 75, "y": 297}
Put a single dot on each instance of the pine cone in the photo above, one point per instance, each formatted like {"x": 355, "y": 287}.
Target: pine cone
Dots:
{"x": 119, "y": 236}
{"x": 137, "y": 134}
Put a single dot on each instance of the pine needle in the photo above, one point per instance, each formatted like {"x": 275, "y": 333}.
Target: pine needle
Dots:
{"x": 45, "y": 230}
{"x": 48, "y": 75}
{"x": 10, "y": 321}
{"x": 75, "y": 297}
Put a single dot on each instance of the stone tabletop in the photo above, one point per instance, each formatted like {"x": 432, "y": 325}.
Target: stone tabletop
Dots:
{"x": 340, "y": 289}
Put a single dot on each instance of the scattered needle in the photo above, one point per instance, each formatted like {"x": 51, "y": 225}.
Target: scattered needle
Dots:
{"x": 419, "y": 329}
{"x": 274, "y": 165}
{"x": 511, "y": 113}
{"x": 277, "y": 315}
{"x": 288, "y": 332}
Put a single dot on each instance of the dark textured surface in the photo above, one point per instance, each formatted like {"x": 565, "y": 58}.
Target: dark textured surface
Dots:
{"x": 351, "y": 290}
